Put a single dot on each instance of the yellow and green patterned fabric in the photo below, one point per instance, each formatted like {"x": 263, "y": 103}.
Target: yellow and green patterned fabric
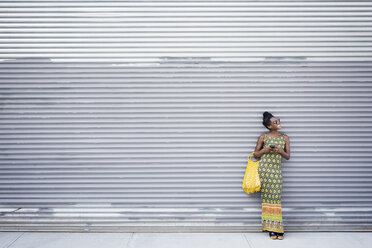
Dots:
{"x": 270, "y": 172}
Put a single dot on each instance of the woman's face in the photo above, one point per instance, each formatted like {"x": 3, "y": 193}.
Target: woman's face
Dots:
{"x": 275, "y": 123}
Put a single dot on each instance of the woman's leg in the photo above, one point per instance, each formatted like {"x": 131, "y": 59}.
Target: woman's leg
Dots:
{"x": 271, "y": 186}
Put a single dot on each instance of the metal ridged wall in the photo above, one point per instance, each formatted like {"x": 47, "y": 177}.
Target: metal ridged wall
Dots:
{"x": 140, "y": 115}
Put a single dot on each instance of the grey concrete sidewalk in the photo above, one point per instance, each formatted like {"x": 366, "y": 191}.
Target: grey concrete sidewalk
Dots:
{"x": 183, "y": 240}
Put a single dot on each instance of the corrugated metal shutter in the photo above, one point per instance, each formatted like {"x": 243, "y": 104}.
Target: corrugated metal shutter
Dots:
{"x": 140, "y": 115}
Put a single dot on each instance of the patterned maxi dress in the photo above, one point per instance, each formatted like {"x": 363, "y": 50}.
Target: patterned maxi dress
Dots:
{"x": 270, "y": 173}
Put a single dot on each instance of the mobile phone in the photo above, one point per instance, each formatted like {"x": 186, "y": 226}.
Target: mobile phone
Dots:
{"x": 272, "y": 146}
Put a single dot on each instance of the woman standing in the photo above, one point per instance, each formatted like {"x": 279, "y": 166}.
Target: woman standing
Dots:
{"x": 271, "y": 147}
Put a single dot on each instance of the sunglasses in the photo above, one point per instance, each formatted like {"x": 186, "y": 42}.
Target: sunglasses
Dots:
{"x": 276, "y": 121}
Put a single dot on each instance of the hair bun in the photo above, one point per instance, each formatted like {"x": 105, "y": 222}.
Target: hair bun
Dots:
{"x": 265, "y": 114}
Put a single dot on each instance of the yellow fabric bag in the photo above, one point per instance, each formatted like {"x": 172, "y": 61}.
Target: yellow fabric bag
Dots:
{"x": 251, "y": 181}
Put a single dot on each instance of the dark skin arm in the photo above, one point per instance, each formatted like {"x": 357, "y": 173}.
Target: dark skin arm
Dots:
{"x": 286, "y": 152}
{"x": 258, "y": 152}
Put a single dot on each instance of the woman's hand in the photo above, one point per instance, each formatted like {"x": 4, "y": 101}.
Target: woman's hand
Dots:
{"x": 278, "y": 149}
{"x": 268, "y": 149}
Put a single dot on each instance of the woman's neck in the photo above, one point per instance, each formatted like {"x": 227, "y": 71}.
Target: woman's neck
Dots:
{"x": 275, "y": 132}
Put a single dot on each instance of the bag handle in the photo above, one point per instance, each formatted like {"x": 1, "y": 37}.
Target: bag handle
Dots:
{"x": 250, "y": 156}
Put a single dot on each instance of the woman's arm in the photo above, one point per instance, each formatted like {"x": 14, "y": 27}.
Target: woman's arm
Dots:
{"x": 258, "y": 152}
{"x": 286, "y": 152}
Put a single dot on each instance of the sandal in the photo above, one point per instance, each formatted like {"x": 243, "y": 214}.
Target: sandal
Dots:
{"x": 273, "y": 235}
{"x": 280, "y": 235}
